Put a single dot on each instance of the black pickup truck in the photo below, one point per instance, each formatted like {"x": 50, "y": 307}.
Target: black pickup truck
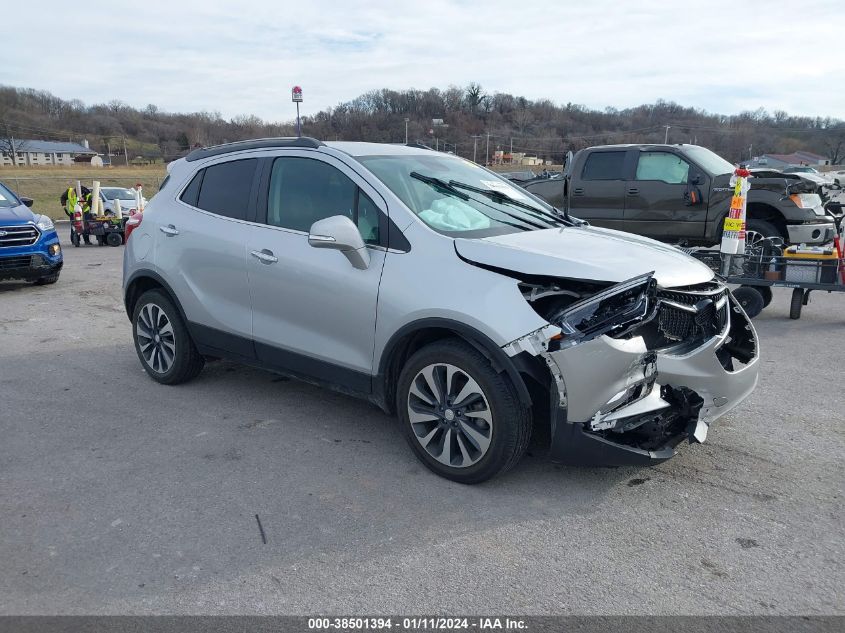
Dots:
{"x": 681, "y": 193}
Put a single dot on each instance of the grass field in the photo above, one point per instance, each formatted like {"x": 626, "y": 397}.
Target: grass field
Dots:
{"x": 46, "y": 184}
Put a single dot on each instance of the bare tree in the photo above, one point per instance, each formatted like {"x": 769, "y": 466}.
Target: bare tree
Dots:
{"x": 834, "y": 144}
{"x": 10, "y": 146}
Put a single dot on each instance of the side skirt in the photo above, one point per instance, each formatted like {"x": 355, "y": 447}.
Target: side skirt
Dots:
{"x": 213, "y": 342}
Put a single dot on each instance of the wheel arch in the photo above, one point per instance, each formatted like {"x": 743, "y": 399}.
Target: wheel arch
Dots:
{"x": 140, "y": 282}
{"x": 415, "y": 335}
{"x": 768, "y": 213}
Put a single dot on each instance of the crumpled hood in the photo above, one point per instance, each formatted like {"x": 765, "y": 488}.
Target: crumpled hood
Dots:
{"x": 589, "y": 253}
{"x": 16, "y": 215}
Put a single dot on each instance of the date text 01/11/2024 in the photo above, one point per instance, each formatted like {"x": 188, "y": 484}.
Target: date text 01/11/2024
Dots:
{"x": 416, "y": 623}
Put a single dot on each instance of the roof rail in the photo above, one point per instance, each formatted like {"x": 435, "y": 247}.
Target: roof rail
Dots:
{"x": 259, "y": 143}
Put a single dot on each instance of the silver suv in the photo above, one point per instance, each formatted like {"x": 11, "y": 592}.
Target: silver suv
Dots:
{"x": 439, "y": 291}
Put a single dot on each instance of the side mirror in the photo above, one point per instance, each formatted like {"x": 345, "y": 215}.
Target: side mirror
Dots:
{"x": 28, "y": 202}
{"x": 340, "y": 233}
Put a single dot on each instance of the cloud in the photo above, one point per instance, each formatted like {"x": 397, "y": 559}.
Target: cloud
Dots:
{"x": 242, "y": 58}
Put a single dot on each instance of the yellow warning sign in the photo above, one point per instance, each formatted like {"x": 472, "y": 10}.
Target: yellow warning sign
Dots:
{"x": 734, "y": 224}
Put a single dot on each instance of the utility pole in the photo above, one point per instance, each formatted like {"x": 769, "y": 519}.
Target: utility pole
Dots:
{"x": 487, "y": 153}
{"x": 125, "y": 153}
{"x": 406, "y": 130}
{"x": 666, "y": 136}
{"x": 511, "y": 149}
{"x": 475, "y": 147}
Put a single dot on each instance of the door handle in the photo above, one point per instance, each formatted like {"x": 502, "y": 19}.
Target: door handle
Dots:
{"x": 578, "y": 191}
{"x": 632, "y": 191}
{"x": 168, "y": 230}
{"x": 265, "y": 256}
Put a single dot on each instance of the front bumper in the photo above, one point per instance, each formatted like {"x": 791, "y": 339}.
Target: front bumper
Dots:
{"x": 820, "y": 233}
{"x": 625, "y": 405}
{"x": 32, "y": 262}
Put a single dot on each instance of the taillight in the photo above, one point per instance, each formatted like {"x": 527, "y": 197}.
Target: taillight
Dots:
{"x": 132, "y": 223}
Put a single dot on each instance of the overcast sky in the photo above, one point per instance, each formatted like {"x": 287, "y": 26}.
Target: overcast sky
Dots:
{"x": 243, "y": 57}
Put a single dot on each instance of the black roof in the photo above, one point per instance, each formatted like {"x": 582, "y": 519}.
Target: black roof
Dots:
{"x": 261, "y": 143}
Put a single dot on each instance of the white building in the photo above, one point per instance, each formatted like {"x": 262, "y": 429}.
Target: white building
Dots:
{"x": 31, "y": 152}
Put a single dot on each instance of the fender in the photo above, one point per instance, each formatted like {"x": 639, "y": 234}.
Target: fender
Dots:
{"x": 497, "y": 357}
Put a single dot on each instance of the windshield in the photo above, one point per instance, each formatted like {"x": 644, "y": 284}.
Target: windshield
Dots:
{"x": 120, "y": 193}
{"x": 709, "y": 161}
{"x": 799, "y": 170}
{"x": 7, "y": 198}
{"x": 458, "y": 198}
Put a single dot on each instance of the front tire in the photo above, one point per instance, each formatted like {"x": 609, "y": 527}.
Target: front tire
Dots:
{"x": 463, "y": 420}
{"x": 162, "y": 342}
{"x": 758, "y": 230}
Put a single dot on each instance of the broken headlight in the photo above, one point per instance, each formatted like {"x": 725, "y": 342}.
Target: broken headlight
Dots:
{"x": 613, "y": 311}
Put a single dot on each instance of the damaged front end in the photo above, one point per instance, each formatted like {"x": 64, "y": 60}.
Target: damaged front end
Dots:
{"x": 636, "y": 369}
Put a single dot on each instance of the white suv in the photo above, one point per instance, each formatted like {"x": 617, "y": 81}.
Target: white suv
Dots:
{"x": 439, "y": 291}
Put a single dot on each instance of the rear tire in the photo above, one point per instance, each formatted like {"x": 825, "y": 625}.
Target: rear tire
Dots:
{"x": 162, "y": 342}
{"x": 113, "y": 239}
{"x": 766, "y": 293}
{"x": 477, "y": 429}
{"x": 750, "y": 300}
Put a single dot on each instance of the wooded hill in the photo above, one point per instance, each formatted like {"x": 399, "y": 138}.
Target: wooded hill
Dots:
{"x": 539, "y": 127}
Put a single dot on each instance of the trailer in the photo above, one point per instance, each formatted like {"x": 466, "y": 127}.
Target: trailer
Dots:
{"x": 769, "y": 265}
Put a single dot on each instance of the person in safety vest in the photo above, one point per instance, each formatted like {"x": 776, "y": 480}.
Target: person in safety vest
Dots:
{"x": 85, "y": 202}
{"x": 70, "y": 205}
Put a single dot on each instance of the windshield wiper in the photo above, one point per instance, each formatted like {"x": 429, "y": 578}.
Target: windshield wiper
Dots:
{"x": 501, "y": 196}
{"x": 440, "y": 184}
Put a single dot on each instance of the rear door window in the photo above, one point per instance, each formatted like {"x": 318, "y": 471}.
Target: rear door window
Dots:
{"x": 226, "y": 188}
{"x": 604, "y": 166}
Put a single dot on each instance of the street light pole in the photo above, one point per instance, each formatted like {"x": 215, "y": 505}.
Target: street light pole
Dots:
{"x": 666, "y": 136}
{"x": 406, "y": 130}
{"x": 487, "y": 154}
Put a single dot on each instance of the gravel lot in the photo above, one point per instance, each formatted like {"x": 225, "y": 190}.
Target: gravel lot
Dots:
{"x": 118, "y": 495}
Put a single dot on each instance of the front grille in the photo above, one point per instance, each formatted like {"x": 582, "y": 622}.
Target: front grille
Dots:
{"x": 25, "y": 235}
{"x": 692, "y": 313}
{"x": 13, "y": 263}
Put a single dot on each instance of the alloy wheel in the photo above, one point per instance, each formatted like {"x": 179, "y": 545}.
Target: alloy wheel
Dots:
{"x": 753, "y": 241}
{"x": 450, "y": 415}
{"x": 156, "y": 341}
